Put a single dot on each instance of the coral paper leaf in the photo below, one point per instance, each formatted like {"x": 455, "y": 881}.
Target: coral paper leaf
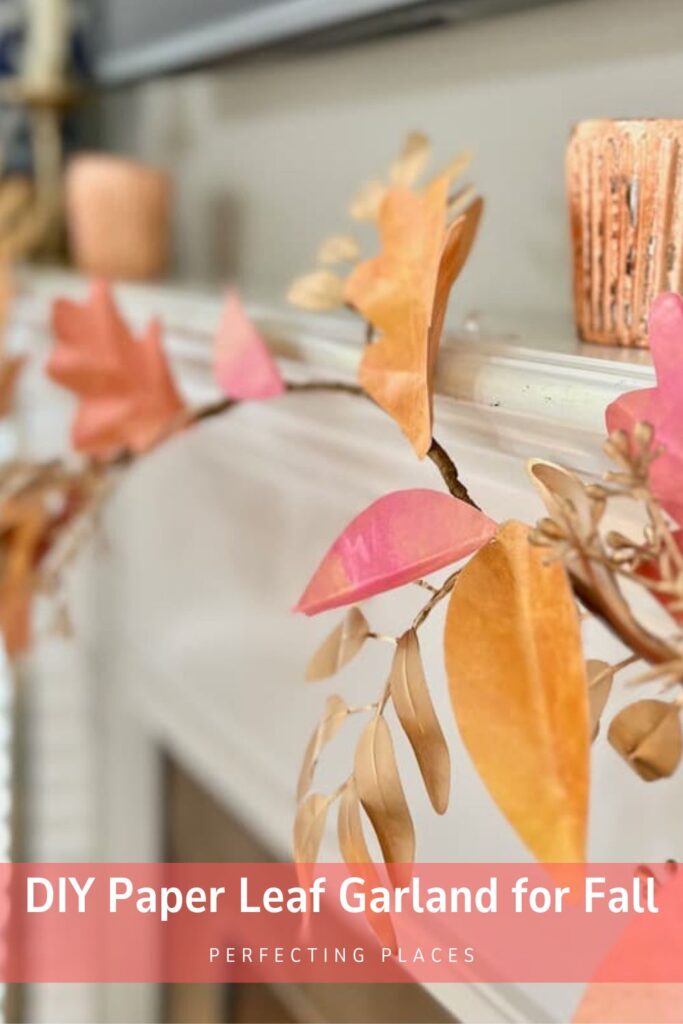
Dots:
{"x": 403, "y": 292}
{"x": 127, "y": 396}
{"x": 661, "y": 406}
{"x": 244, "y": 367}
{"x": 399, "y": 538}
{"x": 518, "y": 687}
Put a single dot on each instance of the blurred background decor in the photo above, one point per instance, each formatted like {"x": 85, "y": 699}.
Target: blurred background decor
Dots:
{"x": 118, "y": 212}
{"x": 42, "y": 65}
{"x": 625, "y": 187}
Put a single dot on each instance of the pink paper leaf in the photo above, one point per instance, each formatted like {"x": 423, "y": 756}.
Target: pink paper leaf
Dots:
{"x": 244, "y": 367}
{"x": 662, "y": 406}
{"x": 399, "y": 538}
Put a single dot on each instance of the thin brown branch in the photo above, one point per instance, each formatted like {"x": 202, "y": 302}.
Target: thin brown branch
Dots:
{"x": 435, "y": 599}
{"x": 449, "y": 472}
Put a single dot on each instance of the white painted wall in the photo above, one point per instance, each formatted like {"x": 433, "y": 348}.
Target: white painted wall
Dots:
{"x": 267, "y": 152}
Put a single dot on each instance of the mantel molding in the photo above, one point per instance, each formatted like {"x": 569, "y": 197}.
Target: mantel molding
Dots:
{"x": 536, "y": 371}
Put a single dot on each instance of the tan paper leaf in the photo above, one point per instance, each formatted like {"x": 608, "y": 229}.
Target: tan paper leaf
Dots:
{"x": 352, "y": 843}
{"x": 340, "y": 647}
{"x": 334, "y": 716}
{"x": 339, "y": 249}
{"x": 381, "y": 793}
{"x": 416, "y": 714}
{"x": 456, "y": 167}
{"x": 309, "y": 826}
{"x": 518, "y": 687}
{"x": 559, "y": 489}
{"x": 600, "y": 678}
{"x": 647, "y": 734}
{"x": 412, "y": 160}
{"x": 318, "y": 291}
{"x": 460, "y": 201}
{"x": 354, "y": 850}
{"x": 367, "y": 202}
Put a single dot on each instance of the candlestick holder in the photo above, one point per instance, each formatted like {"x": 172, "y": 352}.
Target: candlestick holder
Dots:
{"x": 625, "y": 190}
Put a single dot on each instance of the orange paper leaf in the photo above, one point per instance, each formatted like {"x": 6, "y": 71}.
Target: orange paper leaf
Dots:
{"x": 518, "y": 686}
{"x": 127, "y": 396}
{"x": 22, "y": 524}
{"x": 403, "y": 292}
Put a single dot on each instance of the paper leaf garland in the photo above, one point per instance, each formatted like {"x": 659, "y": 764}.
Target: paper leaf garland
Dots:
{"x": 403, "y": 293}
{"x": 399, "y": 538}
{"x": 518, "y": 687}
{"x": 661, "y": 406}
{"x": 127, "y": 396}
{"x": 243, "y": 365}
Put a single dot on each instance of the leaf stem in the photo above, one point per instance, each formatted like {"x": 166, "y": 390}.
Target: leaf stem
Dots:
{"x": 436, "y": 597}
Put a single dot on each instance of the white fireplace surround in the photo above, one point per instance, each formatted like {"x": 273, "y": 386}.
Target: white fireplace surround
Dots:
{"x": 184, "y": 639}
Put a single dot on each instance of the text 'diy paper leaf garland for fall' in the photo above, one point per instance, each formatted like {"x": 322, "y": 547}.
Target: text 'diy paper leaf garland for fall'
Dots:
{"x": 399, "y": 538}
{"x": 126, "y": 393}
{"x": 518, "y": 687}
{"x": 403, "y": 293}
{"x": 243, "y": 365}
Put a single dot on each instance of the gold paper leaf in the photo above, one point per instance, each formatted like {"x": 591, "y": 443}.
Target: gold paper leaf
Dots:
{"x": 416, "y": 714}
{"x": 340, "y": 647}
{"x": 600, "y": 678}
{"x": 334, "y": 716}
{"x": 352, "y": 843}
{"x": 458, "y": 203}
{"x": 518, "y": 687}
{"x": 411, "y": 162}
{"x": 339, "y": 249}
{"x": 309, "y": 826}
{"x": 381, "y": 793}
{"x": 366, "y": 204}
{"x": 318, "y": 291}
{"x": 562, "y": 493}
{"x": 647, "y": 734}
{"x": 456, "y": 167}
{"x": 354, "y": 850}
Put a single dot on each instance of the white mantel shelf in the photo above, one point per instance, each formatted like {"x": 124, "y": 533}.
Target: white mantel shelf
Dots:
{"x": 184, "y": 635}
